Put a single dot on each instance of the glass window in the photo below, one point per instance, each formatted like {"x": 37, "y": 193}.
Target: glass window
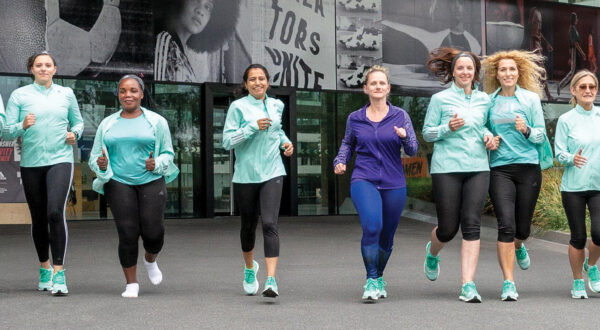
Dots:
{"x": 346, "y": 104}
{"x": 416, "y": 168}
{"x": 97, "y": 100}
{"x": 180, "y": 105}
{"x": 316, "y": 143}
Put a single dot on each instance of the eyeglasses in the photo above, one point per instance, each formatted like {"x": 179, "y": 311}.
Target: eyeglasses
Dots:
{"x": 583, "y": 87}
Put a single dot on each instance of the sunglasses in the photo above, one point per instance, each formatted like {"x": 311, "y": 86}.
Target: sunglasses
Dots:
{"x": 583, "y": 87}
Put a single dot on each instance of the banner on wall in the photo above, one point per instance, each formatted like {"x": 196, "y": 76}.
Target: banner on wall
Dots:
{"x": 87, "y": 38}
{"x": 413, "y": 28}
{"x": 11, "y": 190}
{"x": 296, "y": 42}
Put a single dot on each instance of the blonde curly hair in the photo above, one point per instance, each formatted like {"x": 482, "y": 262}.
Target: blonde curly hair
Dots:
{"x": 529, "y": 64}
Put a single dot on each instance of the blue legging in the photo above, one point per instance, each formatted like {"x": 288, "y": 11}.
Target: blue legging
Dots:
{"x": 379, "y": 211}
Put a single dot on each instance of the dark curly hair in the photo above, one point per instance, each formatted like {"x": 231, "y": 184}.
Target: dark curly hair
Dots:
{"x": 223, "y": 19}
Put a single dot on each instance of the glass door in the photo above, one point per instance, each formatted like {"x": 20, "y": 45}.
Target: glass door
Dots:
{"x": 222, "y": 160}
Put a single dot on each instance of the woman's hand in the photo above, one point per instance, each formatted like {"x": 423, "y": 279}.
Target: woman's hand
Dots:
{"x": 71, "y": 138}
{"x": 263, "y": 124}
{"x": 520, "y": 125}
{"x": 491, "y": 143}
{"x": 579, "y": 160}
{"x": 455, "y": 122}
{"x": 340, "y": 169}
{"x": 288, "y": 149}
{"x": 150, "y": 163}
{"x": 29, "y": 121}
{"x": 102, "y": 161}
{"x": 401, "y": 132}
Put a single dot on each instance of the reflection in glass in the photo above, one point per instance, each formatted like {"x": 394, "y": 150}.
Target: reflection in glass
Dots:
{"x": 315, "y": 113}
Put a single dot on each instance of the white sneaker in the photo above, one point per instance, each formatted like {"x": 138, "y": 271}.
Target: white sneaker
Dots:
{"x": 131, "y": 290}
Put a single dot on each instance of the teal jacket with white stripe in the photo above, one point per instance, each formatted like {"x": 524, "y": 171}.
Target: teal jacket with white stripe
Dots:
{"x": 576, "y": 130}
{"x": 257, "y": 153}
{"x": 55, "y": 110}
{"x": 462, "y": 150}
{"x": 163, "y": 149}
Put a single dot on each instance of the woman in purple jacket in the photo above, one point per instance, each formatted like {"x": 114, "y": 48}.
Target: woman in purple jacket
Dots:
{"x": 377, "y": 132}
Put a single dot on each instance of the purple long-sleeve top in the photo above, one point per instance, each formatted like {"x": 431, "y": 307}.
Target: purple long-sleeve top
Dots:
{"x": 378, "y": 147}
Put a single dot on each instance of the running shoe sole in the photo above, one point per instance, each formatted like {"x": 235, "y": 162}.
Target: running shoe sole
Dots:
{"x": 472, "y": 300}
{"x": 270, "y": 293}
{"x": 509, "y": 298}
{"x": 59, "y": 293}
{"x": 581, "y": 296}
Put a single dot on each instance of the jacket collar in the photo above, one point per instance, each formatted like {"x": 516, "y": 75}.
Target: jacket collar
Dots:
{"x": 518, "y": 94}
{"x": 41, "y": 88}
{"x": 584, "y": 112}
{"x": 254, "y": 101}
{"x": 461, "y": 91}
{"x": 391, "y": 111}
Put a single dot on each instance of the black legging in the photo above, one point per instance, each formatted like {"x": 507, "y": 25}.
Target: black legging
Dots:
{"x": 138, "y": 210}
{"x": 514, "y": 190}
{"x": 46, "y": 190}
{"x": 574, "y": 204}
{"x": 459, "y": 201}
{"x": 248, "y": 197}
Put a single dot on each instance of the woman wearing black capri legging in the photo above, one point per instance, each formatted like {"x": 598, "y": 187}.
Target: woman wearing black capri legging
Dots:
{"x": 253, "y": 130}
{"x": 133, "y": 160}
{"x": 47, "y": 118}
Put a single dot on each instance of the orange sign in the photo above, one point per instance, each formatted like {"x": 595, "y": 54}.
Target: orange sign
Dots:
{"x": 415, "y": 167}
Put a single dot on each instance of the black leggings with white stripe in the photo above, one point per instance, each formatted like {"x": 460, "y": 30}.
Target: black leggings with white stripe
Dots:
{"x": 46, "y": 190}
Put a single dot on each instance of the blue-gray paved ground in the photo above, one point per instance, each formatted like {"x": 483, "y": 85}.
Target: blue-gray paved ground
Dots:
{"x": 320, "y": 281}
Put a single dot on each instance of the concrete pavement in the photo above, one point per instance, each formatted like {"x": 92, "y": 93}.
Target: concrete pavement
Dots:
{"x": 320, "y": 279}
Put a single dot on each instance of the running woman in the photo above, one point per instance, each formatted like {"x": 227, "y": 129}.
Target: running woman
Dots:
{"x": 46, "y": 117}
{"x": 514, "y": 81}
{"x": 577, "y": 147}
{"x": 460, "y": 172}
{"x": 253, "y": 129}
{"x": 132, "y": 156}
{"x": 377, "y": 132}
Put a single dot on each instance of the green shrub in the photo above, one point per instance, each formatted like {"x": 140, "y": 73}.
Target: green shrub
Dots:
{"x": 549, "y": 213}
{"x": 419, "y": 188}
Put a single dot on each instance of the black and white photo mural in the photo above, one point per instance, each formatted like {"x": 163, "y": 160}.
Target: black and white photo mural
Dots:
{"x": 413, "y": 28}
{"x": 214, "y": 41}
{"x": 92, "y": 38}
{"x": 358, "y": 40}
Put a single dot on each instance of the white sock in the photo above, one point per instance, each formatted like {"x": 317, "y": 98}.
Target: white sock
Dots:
{"x": 154, "y": 273}
{"x": 131, "y": 290}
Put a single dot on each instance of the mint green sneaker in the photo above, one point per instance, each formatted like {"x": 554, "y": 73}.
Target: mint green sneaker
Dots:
{"x": 381, "y": 293}
{"x": 59, "y": 284}
{"x": 432, "y": 264}
{"x": 468, "y": 293}
{"x": 45, "y": 283}
{"x": 522, "y": 257}
{"x": 371, "y": 293}
{"x": 270, "y": 290}
{"x": 593, "y": 276}
{"x": 578, "y": 289}
{"x": 509, "y": 292}
{"x": 250, "y": 283}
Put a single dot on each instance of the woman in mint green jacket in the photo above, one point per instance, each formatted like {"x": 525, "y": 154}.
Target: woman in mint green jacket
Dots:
{"x": 253, "y": 130}
{"x": 47, "y": 119}
{"x": 514, "y": 81}
{"x": 456, "y": 122}
{"x": 132, "y": 157}
{"x": 577, "y": 147}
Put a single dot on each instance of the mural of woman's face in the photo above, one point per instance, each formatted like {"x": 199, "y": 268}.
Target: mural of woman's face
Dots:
{"x": 457, "y": 9}
{"x": 195, "y": 15}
